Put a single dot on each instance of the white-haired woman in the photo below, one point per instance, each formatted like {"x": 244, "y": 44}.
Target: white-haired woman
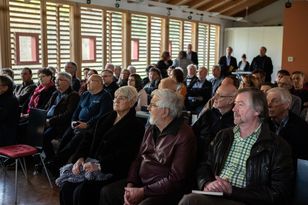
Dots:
{"x": 114, "y": 143}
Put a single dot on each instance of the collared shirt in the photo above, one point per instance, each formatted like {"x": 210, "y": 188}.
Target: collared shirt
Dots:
{"x": 235, "y": 166}
{"x": 282, "y": 124}
{"x": 51, "y": 111}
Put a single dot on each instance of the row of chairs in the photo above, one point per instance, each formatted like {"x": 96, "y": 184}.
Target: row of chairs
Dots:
{"x": 33, "y": 147}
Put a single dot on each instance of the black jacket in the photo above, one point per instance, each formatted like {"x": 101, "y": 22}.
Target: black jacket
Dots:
{"x": 269, "y": 172}
{"x": 227, "y": 69}
{"x": 208, "y": 125}
{"x": 194, "y": 58}
{"x": 263, "y": 63}
{"x": 294, "y": 132}
{"x": 205, "y": 92}
{"x": 64, "y": 110}
{"x": 23, "y": 94}
{"x": 9, "y": 116}
{"x": 115, "y": 146}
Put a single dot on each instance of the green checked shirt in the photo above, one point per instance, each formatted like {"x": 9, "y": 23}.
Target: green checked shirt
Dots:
{"x": 235, "y": 166}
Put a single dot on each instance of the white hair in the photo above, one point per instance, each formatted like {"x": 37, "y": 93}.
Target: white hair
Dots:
{"x": 128, "y": 91}
{"x": 171, "y": 100}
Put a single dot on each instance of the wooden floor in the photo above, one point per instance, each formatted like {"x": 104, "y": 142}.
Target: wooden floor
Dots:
{"x": 35, "y": 191}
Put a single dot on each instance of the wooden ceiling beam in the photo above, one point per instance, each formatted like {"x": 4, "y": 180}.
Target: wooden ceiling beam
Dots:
{"x": 212, "y": 5}
{"x": 194, "y": 4}
{"x": 255, "y": 7}
{"x": 177, "y": 2}
{"x": 242, "y": 7}
{"x": 229, "y": 5}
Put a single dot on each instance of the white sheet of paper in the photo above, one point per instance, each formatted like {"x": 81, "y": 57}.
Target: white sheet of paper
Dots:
{"x": 207, "y": 193}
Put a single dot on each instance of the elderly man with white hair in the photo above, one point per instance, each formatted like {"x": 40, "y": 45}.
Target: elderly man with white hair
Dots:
{"x": 285, "y": 123}
{"x": 160, "y": 174}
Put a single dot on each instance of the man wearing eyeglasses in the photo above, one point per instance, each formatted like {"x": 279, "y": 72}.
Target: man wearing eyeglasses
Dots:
{"x": 109, "y": 84}
{"x": 213, "y": 120}
{"x": 248, "y": 163}
{"x": 61, "y": 107}
{"x": 161, "y": 172}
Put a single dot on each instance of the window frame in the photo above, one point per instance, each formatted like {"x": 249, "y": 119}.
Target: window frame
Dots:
{"x": 35, "y": 37}
{"x": 92, "y": 39}
{"x": 134, "y": 41}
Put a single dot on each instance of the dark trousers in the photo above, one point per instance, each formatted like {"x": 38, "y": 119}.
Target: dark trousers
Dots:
{"x": 113, "y": 193}
{"x": 85, "y": 193}
{"x": 49, "y": 134}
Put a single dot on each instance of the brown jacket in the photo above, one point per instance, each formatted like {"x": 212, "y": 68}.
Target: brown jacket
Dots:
{"x": 165, "y": 165}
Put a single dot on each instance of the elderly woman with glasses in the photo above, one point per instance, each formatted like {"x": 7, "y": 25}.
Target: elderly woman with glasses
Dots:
{"x": 112, "y": 144}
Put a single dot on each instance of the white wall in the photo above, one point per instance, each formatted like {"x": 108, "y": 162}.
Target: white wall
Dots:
{"x": 249, "y": 40}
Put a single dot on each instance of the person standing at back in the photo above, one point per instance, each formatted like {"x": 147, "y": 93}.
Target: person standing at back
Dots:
{"x": 263, "y": 62}
{"x": 227, "y": 63}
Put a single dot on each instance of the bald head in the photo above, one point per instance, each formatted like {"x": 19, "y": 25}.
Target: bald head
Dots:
{"x": 167, "y": 83}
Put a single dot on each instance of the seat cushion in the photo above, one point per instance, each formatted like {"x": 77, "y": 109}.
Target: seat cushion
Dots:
{"x": 19, "y": 150}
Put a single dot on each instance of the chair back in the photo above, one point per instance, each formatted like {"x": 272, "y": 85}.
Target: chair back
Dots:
{"x": 301, "y": 186}
{"x": 35, "y": 130}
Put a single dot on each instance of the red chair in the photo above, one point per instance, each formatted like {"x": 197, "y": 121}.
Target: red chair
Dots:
{"x": 32, "y": 146}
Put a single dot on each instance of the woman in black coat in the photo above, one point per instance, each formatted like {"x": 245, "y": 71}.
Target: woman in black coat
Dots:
{"x": 114, "y": 142}
{"x": 9, "y": 112}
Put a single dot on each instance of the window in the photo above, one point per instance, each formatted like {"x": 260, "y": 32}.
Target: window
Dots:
{"x": 25, "y": 29}
{"x": 27, "y": 48}
{"x": 139, "y": 36}
{"x": 175, "y": 37}
{"x": 208, "y": 44}
{"x": 187, "y": 34}
{"x": 135, "y": 50}
{"x": 155, "y": 41}
{"x": 92, "y": 33}
{"x": 58, "y": 34}
{"x": 88, "y": 48}
{"x": 114, "y": 37}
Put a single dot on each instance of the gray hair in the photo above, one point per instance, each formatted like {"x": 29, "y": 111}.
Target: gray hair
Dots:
{"x": 128, "y": 91}
{"x": 192, "y": 66}
{"x": 131, "y": 69}
{"x": 171, "y": 100}
{"x": 216, "y": 67}
{"x": 283, "y": 93}
{"x": 74, "y": 65}
{"x": 66, "y": 75}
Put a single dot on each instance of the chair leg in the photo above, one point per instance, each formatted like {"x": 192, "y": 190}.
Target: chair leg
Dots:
{"x": 46, "y": 171}
{"x": 16, "y": 178}
{"x": 23, "y": 167}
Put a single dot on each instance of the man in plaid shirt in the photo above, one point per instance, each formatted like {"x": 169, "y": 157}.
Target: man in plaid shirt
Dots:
{"x": 247, "y": 163}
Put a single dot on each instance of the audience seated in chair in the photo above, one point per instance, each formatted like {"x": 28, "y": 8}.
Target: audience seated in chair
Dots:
{"x": 198, "y": 92}
{"x": 136, "y": 81}
{"x": 248, "y": 163}
{"x": 109, "y": 84}
{"x": 114, "y": 142}
{"x": 285, "y": 123}
{"x": 71, "y": 68}
{"x": 213, "y": 120}
{"x": 61, "y": 107}
{"x": 9, "y": 112}
{"x": 43, "y": 92}
{"x": 24, "y": 91}
{"x": 161, "y": 172}
{"x": 93, "y": 104}
{"x": 296, "y": 105}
